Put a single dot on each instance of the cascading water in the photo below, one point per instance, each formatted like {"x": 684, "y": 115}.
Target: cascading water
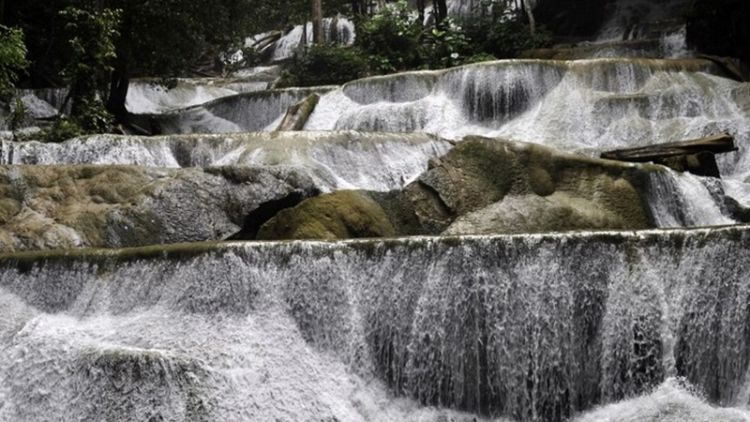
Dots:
{"x": 662, "y": 23}
{"x": 587, "y": 105}
{"x": 639, "y": 19}
{"x": 247, "y": 112}
{"x": 335, "y": 30}
{"x": 518, "y": 327}
{"x": 150, "y": 97}
{"x": 607, "y": 326}
{"x": 335, "y": 160}
{"x": 682, "y": 200}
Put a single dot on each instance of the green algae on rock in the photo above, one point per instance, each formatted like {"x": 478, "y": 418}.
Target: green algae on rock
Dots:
{"x": 484, "y": 186}
{"x": 339, "y": 215}
{"x": 49, "y": 207}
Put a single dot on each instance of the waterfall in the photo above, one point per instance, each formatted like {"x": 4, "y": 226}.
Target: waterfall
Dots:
{"x": 145, "y": 97}
{"x": 587, "y": 105}
{"x": 577, "y": 326}
{"x": 639, "y": 19}
{"x": 252, "y": 111}
{"x": 338, "y": 30}
{"x": 515, "y": 326}
{"x": 334, "y": 160}
{"x": 644, "y": 20}
{"x": 683, "y": 200}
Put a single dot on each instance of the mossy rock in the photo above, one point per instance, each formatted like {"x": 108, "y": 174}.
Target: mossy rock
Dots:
{"x": 466, "y": 190}
{"x": 480, "y": 172}
{"x": 338, "y": 215}
{"x": 9, "y": 207}
{"x": 50, "y": 207}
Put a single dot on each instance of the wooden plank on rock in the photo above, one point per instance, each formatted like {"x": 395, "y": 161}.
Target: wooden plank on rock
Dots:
{"x": 716, "y": 144}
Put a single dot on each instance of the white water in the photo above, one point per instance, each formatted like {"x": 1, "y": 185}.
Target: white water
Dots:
{"x": 247, "y": 112}
{"x": 146, "y": 97}
{"x": 518, "y": 327}
{"x": 673, "y": 401}
{"x": 343, "y": 33}
{"x": 597, "y": 327}
{"x": 339, "y": 160}
{"x": 638, "y": 19}
{"x": 683, "y": 200}
{"x": 586, "y": 105}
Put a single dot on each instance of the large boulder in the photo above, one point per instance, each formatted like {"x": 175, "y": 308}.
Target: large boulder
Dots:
{"x": 339, "y": 215}
{"x": 481, "y": 172}
{"x": 536, "y": 214}
{"x": 51, "y": 207}
{"x": 482, "y": 186}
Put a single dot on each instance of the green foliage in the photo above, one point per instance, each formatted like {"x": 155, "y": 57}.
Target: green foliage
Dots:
{"x": 480, "y": 57}
{"x": 324, "y": 65}
{"x": 446, "y": 46}
{"x": 169, "y": 37}
{"x": 162, "y": 38}
{"x": 503, "y": 38}
{"x": 390, "y": 38}
{"x": 394, "y": 40}
{"x": 17, "y": 115}
{"x": 62, "y": 130}
{"x": 12, "y": 59}
{"x": 92, "y": 44}
{"x": 272, "y": 15}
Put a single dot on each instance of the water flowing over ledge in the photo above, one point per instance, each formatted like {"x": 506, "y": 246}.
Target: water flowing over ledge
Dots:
{"x": 588, "y": 105}
{"x": 515, "y": 326}
{"x": 335, "y": 160}
{"x": 249, "y": 111}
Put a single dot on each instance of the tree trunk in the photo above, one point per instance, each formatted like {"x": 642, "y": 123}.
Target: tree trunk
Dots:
{"x": 118, "y": 93}
{"x": 420, "y": 9}
{"x": 716, "y": 144}
{"x": 317, "y": 22}
{"x": 528, "y": 5}
{"x": 359, "y": 7}
{"x": 440, "y": 9}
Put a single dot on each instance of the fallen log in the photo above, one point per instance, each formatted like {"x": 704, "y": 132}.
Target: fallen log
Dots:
{"x": 716, "y": 144}
{"x": 696, "y": 156}
{"x": 296, "y": 115}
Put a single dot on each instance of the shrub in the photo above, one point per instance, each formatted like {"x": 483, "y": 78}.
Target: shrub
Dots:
{"x": 62, "y": 130}
{"x": 445, "y": 46}
{"x": 390, "y": 38}
{"x": 324, "y": 65}
{"x": 92, "y": 42}
{"x": 480, "y": 57}
{"x": 504, "y": 38}
{"x": 17, "y": 116}
{"x": 12, "y": 59}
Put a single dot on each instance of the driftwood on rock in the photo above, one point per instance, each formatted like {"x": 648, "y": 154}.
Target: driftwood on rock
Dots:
{"x": 297, "y": 115}
{"x": 695, "y": 156}
{"x": 716, "y": 144}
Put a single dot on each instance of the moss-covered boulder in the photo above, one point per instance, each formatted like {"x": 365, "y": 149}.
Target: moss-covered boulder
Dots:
{"x": 544, "y": 189}
{"x": 53, "y": 207}
{"x": 481, "y": 186}
{"x": 339, "y": 215}
{"x": 537, "y": 214}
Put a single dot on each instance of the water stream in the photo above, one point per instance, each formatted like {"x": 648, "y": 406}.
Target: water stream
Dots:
{"x": 582, "y": 326}
{"x": 517, "y": 327}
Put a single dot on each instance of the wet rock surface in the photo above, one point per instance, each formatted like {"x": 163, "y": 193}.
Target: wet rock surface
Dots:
{"x": 484, "y": 186}
{"x": 116, "y": 206}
